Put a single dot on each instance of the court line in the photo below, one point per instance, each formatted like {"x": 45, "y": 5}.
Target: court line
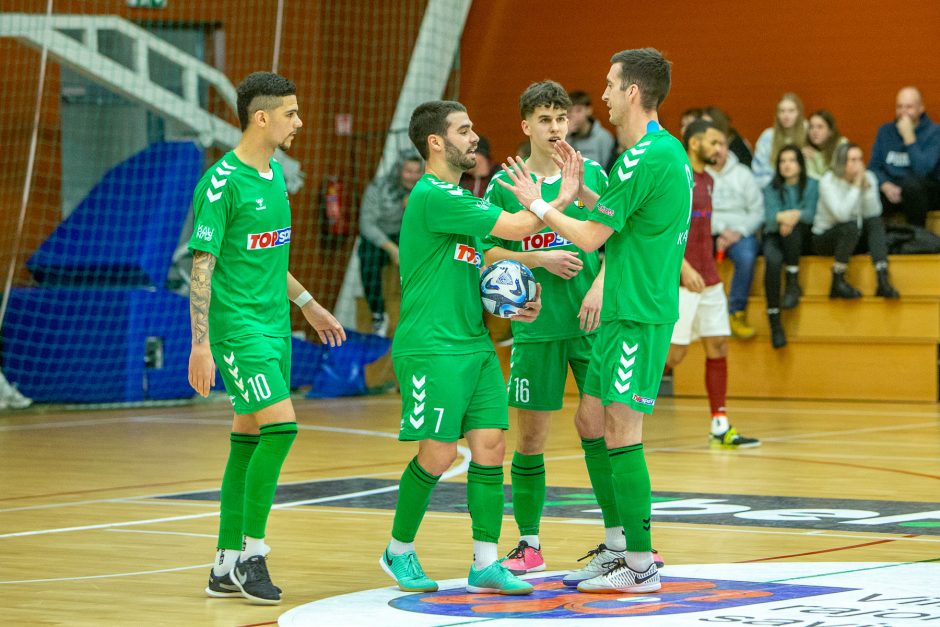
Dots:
{"x": 141, "y": 572}
{"x": 165, "y": 533}
{"x": 459, "y": 469}
{"x": 833, "y": 550}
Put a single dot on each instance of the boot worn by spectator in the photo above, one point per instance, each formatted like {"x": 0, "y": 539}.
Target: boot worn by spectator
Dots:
{"x": 740, "y": 327}
{"x": 885, "y": 289}
{"x": 791, "y": 290}
{"x": 842, "y": 288}
{"x": 778, "y": 337}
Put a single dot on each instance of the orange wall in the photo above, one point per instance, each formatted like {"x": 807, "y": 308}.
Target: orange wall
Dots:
{"x": 849, "y": 56}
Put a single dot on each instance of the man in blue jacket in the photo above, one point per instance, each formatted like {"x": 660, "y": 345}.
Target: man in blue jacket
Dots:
{"x": 906, "y": 159}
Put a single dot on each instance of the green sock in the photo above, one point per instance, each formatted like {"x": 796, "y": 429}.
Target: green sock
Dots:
{"x": 631, "y": 481}
{"x": 485, "y": 500}
{"x": 232, "y": 494}
{"x": 597, "y": 461}
{"x": 265, "y": 467}
{"x": 414, "y": 494}
{"x": 528, "y": 491}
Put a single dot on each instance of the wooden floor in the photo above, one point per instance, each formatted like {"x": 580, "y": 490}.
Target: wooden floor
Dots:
{"x": 84, "y": 541}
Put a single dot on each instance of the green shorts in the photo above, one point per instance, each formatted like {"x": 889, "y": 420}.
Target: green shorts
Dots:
{"x": 255, "y": 370}
{"x": 627, "y": 364}
{"x": 538, "y": 371}
{"x": 444, "y": 396}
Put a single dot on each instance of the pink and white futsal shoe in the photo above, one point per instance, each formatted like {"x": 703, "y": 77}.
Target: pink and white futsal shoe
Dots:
{"x": 524, "y": 559}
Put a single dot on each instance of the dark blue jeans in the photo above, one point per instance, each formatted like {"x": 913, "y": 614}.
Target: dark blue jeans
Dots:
{"x": 742, "y": 253}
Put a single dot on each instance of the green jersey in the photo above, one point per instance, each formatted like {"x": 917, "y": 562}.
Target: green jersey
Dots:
{"x": 242, "y": 217}
{"x": 648, "y": 204}
{"x": 558, "y": 319}
{"x": 439, "y": 259}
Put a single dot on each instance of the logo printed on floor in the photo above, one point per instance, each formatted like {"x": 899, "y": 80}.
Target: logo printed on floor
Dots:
{"x": 787, "y": 593}
{"x": 685, "y": 507}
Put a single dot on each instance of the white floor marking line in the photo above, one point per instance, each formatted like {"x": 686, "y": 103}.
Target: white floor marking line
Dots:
{"x": 459, "y": 469}
{"x": 166, "y": 533}
{"x": 142, "y": 572}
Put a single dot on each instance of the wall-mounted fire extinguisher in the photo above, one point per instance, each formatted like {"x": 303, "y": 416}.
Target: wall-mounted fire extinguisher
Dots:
{"x": 335, "y": 218}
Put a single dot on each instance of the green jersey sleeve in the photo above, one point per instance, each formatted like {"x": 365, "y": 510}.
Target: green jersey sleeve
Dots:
{"x": 211, "y": 211}
{"x": 465, "y": 214}
{"x": 626, "y": 190}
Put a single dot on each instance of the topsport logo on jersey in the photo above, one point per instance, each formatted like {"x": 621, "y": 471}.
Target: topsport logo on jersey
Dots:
{"x": 468, "y": 254}
{"x": 541, "y": 241}
{"x": 269, "y": 239}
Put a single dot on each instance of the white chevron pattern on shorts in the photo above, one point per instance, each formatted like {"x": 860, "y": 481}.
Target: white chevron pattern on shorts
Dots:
{"x": 625, "y": 371}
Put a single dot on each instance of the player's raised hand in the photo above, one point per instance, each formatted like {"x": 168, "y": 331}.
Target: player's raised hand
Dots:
{"x": 590, "y": 313}
{"x": 201, "y": 369}
{"x": 563, "y": 263}
{"x": 327, "y": 327}
{"x": 523, "y": 187}
{"x": 532, "y": 308}
{"x": 572, "y": 171}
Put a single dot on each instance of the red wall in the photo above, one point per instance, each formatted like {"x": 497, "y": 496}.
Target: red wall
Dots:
{"x": 849, "y": 56}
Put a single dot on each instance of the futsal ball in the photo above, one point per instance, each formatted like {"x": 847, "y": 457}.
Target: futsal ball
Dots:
{"x": 505, "y": 287}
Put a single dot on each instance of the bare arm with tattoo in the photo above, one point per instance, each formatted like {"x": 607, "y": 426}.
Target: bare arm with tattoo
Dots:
{"x": 201, "y": 366}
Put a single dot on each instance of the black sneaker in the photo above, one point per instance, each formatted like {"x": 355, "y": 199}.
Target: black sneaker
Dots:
{"x": 252, "y": 578}
{"x": 221, "y": 586}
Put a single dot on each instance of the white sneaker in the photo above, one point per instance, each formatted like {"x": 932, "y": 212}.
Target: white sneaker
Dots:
{"x": 621, "y": 578}
{"x": 15, "y": 400}
{"x": 601, "y": 555}
{"x": 10, "y": 397}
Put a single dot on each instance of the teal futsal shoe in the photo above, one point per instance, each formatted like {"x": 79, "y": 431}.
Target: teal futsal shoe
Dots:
{"x": 407, "y": 572}
{"x": 497, "y": 579}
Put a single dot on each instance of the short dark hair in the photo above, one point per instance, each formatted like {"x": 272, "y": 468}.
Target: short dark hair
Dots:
{"x": 543, "y": 94}
{"x": 647, "y": 69}
{"x": 430, "y": 118}
{"x": 697, "y": 127}
{"x": 580, "y": 98}
{"x": 261, "y": 91}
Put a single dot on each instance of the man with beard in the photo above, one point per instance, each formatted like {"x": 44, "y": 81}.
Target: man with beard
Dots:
{"x": 703, "y": 306}
{"x": 238, "y": 300}
{"x": 450, "y": 379}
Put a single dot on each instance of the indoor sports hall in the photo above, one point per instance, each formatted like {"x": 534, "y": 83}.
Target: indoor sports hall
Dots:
{"x": 111, "y": 464}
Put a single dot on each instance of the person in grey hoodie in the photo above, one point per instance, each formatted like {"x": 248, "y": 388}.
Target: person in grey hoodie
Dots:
{"x": 380, "y": 214}
{"x": 849, "y": 209}
{"x": 737, "y": 214}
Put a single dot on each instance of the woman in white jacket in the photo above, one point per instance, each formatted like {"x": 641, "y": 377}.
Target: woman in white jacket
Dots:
{"x": 849, "y": 211}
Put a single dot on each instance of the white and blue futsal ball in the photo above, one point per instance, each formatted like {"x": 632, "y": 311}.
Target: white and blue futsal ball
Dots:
{"x": 505, "y": 287}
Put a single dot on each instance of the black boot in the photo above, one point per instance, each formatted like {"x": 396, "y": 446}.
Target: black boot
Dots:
{"x": 791, "y": 291}
{"x": 885, "y": 289}
{"x": 841, "y": 288}
{"x": 777, "y": 335}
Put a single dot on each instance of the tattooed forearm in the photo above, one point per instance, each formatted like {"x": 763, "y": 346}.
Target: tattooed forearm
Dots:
{"x": 200, "y": 293}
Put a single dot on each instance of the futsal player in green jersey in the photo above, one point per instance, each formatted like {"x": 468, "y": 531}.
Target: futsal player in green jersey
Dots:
{"x": 241, "y": 322}
{"x": 450, "y": 380}
{"x": 571, "y": 281}
{"x": 643, "y": 216}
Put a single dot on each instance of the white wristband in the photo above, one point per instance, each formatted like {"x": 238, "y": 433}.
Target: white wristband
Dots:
{"x": 540, "y": 208}
{"x": 303, "y": 298}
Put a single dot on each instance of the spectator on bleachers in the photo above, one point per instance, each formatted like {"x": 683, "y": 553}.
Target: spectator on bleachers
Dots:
{"x": 822, "y": 137}
{"x": 477, "y": 178}
{"x": 789, "y": 128}
{"x": 10, "y": 397}
{"x": 688, "y": 116}
{"x": 585, "y": 134}
{"x": 737, "y": 144}
{"x": 849, "y": 212}
{"x": 906, "y": 159}
{"x": 789, "y": 207}
{"x": 737, "y": 213}
{"x": 383, "y": 205}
